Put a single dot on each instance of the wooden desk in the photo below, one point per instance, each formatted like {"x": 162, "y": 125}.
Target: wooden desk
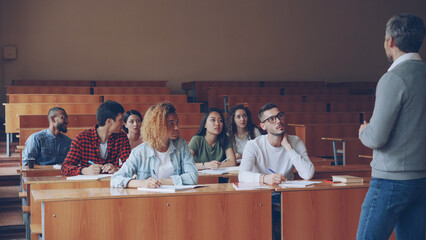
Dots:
{"x": 325, "y": 172}
{"x": 323, "y": 211}
{"x": 39, "y": 171}
{"x": 54, "y": 182}
{"x": 214, "y": 212}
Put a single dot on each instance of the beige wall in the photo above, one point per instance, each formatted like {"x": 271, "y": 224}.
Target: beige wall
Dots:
{"x": 185, "y": 40}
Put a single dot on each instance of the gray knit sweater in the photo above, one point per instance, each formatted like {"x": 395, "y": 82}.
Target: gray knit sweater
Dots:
{"x": 397, "y": 129}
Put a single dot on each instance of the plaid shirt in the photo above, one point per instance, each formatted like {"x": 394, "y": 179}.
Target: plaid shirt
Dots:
{"x": 85, "y": 148}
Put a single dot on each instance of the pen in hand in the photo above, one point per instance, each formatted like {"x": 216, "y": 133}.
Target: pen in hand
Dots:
{"x": 224, "y": 161}
{"x": 283, "y": 179}
{"x": 155, "y": 177}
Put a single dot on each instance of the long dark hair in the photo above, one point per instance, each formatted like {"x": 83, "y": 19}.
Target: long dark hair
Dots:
{"x": 221, "y": 138}
{"x": 232, "y": 127}
{"x": 128, "y": 114}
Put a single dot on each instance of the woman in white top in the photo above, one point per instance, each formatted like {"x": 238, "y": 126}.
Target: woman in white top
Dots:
{"x": 241, "y": 129}
{"x": 163, "y": 158}
{"x": 132, "y": 126}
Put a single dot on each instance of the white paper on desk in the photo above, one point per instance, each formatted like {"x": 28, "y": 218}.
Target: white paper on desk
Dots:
{"x": 170, "y": 188}
{"x": 248, "y": 186}
{"x": 57, "y": 166}
{"x": 230, "y": 169}
{"x": 213, "y": 171}
{"x": 89, "y": 177}
{"x": 297, "y": 184}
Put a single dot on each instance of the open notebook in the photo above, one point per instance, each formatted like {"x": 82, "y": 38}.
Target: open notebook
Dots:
{"x": 248, "y": 186}
{"x": 88, "y": 177}
{"x": 297, "y": 184}
{"x": 170, "y": 188}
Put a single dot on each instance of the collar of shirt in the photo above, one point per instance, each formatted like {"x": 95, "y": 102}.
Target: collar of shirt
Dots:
{"x": 151, "y": 152}
{"x": 50, "y": 134}
{"x": 403, "y": 58}
{"x": 95, "y": 136}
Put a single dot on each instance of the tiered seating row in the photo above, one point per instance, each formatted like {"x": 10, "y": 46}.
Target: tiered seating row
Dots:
{"x": 87, "y": 83}
{"x": 13, "y": 110}
{"x": 199, "y": 89}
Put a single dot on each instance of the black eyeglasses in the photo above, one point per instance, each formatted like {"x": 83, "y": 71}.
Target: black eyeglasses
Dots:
{"x": 272, "y": 119}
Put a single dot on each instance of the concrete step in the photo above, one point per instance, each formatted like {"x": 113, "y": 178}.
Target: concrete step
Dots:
{"x": 9, "y": 176}
{"x": 11, "y": 224}
{"x": 9, "y": 197}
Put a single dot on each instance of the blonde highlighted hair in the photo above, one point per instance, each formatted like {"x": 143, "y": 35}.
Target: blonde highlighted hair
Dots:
{"x": 154, "y": 125}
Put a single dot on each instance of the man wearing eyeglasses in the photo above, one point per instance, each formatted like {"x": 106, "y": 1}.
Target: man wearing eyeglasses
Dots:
{"x": 271, "y": 158}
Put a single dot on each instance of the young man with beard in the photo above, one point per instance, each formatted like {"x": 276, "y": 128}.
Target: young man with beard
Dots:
{"x": 49, "y": 146}
{"x": 271, "y": 158}
{"x": 102, "y": 148}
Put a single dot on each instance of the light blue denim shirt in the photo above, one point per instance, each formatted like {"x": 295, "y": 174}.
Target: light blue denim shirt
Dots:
{"x": 46, "y": 148}
{"x": 142, "y": 161}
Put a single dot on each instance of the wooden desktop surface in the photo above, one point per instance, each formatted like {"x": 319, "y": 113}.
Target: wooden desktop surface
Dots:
{"x": 214, "y": 212}
{"x": 323, "y": 211}
{"x": 39, "y": 170}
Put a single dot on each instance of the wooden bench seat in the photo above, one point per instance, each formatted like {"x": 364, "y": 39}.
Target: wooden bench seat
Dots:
{"x": 351, "y": 106}
{"x": 315, "y": 91}
{"x": 289, "y": 107}
{"x": 41, "y": 121}
{"x": 146, "y": 98}
{"x": 129, "y": 84}
{"x": 53, "y": 98}
{"x": 199, "y": 88}
{"x": 293, "y": 84}
{"x": 214, "y": 92}
{"x": 75, "y": 83}
{"x": 47, "y": 90}
{"x": 130, "y": 90}
{"x": 13, "y": 110}
{"x": 186, "y": 132}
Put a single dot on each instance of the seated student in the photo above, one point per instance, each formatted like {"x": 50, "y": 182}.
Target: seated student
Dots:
{"x": 49, "y": 146}
{"x": 100, "y": 148}
{"x": 163, "y": 158}
{"x": 210, "y": 146}
{"x": 132, "y": 126}
{"x": 276, "y": 151}
{"x": 240, "y": 129}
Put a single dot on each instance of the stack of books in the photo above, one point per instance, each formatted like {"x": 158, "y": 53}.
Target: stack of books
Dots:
{"x": 347, "y": 179}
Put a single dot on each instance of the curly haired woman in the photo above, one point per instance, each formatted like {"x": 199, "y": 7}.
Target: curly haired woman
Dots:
{"x": 163, "y": 158}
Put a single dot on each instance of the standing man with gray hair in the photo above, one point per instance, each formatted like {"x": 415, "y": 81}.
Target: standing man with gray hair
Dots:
{"x": 397, "y": 134}
{"x": 49, "y": 146}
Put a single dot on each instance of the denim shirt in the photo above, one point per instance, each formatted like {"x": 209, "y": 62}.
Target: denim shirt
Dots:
{"x": 46, "y": 148}
{"x": 143, "y": 162}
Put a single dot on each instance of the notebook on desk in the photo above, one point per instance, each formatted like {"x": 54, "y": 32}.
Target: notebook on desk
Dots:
{"x": 347, "y": 179}
{"x": 297, "y": 184}
{"x": 248, "y": 186}
{"x": 89, "y": 177}
{"x": 214, "y": 171}
{"x": 170, "y": 188}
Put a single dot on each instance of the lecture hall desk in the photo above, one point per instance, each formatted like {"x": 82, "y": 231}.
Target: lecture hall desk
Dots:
{"x": 37, "y": 171}
{"x": 115, "y": 213}
{"x": 60, "y": 182}
{"x": 54, "y": 182}
{"x": 324, "y": 211}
